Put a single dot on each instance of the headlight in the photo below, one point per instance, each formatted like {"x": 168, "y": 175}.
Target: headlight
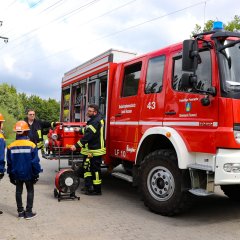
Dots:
{"x": 54, "y": 136}
{"x": 237, "y": 136}
{"x": 236, "y": 130}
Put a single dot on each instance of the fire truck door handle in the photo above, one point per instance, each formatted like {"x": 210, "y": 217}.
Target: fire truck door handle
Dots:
{"x": 170, "y": 113}
{"x": 118, "y": 115}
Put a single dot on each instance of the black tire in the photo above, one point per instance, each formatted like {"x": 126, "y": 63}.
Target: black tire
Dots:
{"x": 161, "y": 181}
{"x": 232, "y": 191}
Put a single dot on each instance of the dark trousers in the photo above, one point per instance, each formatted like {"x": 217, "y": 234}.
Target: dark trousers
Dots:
{"x": 92, "y": 173}
{"x": 30, "y": 195}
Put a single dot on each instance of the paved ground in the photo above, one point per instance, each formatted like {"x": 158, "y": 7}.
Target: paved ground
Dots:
{"x": 117, "y": 214}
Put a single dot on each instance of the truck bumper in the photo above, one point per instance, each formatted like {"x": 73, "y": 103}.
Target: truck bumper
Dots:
{"x": 227, "y": 158}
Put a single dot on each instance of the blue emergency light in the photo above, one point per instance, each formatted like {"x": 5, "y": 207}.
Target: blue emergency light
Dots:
{"x": 218, "y": 26}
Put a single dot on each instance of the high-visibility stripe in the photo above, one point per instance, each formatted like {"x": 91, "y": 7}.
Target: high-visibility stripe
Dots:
{"x": 97, "y": 181}
{"x": 92, "y": 128}
{"x": 87, "y": 174}
{"x": 98, "y": 152}
{"x": 79, "y": 143}
{"x": 39, "y": 132}
{"x": 101, "y": 134}
{"x": 40, "y": 144}
{"x": 84, "y": 151}
{"x": 22, "y": 143}
{"x": 24, "y": 150}
{"x": 166, "y": 123}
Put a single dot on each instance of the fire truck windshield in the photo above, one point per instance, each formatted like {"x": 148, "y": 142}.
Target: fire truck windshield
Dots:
{"x": 230, "y": 68}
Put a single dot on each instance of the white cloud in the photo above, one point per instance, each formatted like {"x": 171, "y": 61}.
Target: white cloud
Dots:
{"x": 9, "y": 62}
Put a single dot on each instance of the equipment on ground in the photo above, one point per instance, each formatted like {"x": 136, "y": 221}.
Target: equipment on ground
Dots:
{"x": 66, "y": 182}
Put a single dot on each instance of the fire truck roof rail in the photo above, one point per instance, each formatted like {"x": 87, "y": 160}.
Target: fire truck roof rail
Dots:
{"x": 113, "y": 55}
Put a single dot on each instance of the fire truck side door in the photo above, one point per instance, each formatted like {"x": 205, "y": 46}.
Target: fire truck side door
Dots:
{"x": 152, "y": 107}
{"x": 183, "y": 108}
{"x": 125, "y": 110}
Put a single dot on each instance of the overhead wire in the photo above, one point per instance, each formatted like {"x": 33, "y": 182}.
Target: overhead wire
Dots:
{"x": 125, "y": 29}
{"x": 71, "y": 13}
{"x": 53, "y": 6}
{"x": 91, "y": 20}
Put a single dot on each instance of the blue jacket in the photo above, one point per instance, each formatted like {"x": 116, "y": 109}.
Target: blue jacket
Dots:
{"x": 23, "y": 162}
{"x": 2, "y": 153}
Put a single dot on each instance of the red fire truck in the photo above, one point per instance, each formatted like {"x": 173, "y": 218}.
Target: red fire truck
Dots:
{"x": 172, "y": 116}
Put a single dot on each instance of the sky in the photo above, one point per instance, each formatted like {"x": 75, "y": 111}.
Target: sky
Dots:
{"x": 50, "y": 37}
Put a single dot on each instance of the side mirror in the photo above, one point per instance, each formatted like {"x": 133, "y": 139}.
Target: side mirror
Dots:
{"x": 187, "y": 58}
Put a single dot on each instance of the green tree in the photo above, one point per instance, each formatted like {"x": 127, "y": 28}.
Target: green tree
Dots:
{"x": 48, "y": 110}
{"x": 10, "y": 100}
{"x": 232, "y": 26}
{"x": 17, "y": 104}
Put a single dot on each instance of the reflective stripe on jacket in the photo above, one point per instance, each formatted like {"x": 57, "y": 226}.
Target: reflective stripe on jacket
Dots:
{"x": 23, "y": 162}
{"x": 93, "y": 138}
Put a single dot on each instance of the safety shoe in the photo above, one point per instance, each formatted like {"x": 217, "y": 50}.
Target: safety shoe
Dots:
{"x": 84, "y": 189}
{"x": 21, "y": 214}
{"x": 30, "y": 215}
{"x": 92, "y": 193}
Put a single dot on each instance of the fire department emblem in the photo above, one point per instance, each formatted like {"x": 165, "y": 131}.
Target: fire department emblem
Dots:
{"x": 188, "y": 106}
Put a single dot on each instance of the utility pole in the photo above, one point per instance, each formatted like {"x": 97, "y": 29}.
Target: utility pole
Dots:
{"x": 4, "y": 38}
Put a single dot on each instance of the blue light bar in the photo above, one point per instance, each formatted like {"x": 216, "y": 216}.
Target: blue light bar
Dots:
{"x": 217, "y": 25}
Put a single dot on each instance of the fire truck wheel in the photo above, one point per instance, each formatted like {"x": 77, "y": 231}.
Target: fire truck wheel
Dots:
{"x": 160, "y": 183}
{"x": 232, "y": 191}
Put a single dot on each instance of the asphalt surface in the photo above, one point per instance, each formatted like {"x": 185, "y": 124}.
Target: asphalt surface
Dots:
{"x": 118, "y": 214}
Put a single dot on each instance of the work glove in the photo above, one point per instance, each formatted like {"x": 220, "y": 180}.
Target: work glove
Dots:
{"x": 12, "y": 180}
{"x": 35, "y": 179}
{"x": 1, "y": 175}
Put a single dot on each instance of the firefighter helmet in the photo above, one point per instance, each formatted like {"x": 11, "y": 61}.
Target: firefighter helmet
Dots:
{"x": 1, "y": 118}
{"x": 20, "y": 127}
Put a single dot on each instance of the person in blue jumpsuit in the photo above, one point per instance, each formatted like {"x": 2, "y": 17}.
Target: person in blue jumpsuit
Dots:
{"x": 23, "y": 167}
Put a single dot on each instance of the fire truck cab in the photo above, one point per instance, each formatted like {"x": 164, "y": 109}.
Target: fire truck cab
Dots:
{"x": 172, "y": 116}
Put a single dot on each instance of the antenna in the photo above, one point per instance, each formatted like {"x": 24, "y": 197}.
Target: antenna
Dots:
{"x": 4, "y": 38}
{"x": 204, "y": 14}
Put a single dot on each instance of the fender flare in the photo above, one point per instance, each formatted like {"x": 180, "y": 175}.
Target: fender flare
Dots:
{"x": 183, "y": 155}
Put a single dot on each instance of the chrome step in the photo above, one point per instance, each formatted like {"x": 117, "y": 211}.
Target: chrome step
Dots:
{"x": 201, "y": 167}
{"x": 200, "y": 192}
{"x": 123, "y": 176}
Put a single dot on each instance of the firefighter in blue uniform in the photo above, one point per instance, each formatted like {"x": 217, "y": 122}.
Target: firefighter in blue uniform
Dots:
{"x": 23, "y": 167}
{"x": 2, "y": 149}
{"x": 93, "y": 144}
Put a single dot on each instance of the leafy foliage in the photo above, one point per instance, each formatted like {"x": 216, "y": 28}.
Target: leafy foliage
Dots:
{"x": 17, "y": 104}
{"x": 232, "y": 26}
{"x": 10, "y": 100}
